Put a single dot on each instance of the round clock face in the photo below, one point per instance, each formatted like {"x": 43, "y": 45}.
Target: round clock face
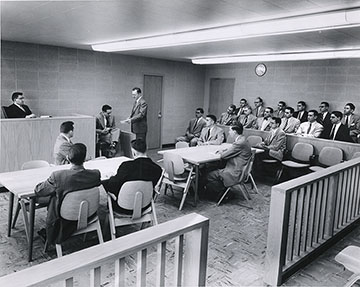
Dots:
{"x": 260, "y": 70}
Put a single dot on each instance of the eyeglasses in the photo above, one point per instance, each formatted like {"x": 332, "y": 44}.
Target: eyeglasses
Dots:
{"x": 256, "y": 102}
{"x": 321, "y": 106}
{"x": 197, "y": 112}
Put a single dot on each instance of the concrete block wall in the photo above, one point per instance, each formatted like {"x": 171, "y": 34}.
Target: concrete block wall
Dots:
{"x": 334, "y": 81}
{"x": 60, "y": 81}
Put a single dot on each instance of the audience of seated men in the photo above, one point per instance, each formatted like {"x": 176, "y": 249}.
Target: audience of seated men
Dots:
{"x": 229, "y": 117}
{"x": 289, "y": 124}
{"x": 338, "y": 131}
{"x": 194, "y": 128}
{"x": 263, "y": 123}
{"x": 107, "y": 134}
{"x": 61, "y": 182}
{"x": 18, "y": 109}
{"x": 63, "y": 143}
{"x": 311, "y": 128}
{"x": 211, "y": 134}
{"x": 259, "y": 108}
{"x": 352, "y": 121}
{"x": 236, "y": 157}
{"x": 324, "y": 119}
{"x": 140, "y": 168}
{"x": 301, "y": 113}
{"x": 247, "y": 119}
{"x": 240, "y": 109}
{"x": 280, "y": 111}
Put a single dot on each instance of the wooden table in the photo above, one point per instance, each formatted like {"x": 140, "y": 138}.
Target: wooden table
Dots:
{"x": 22, "y": 183}
{"x": 199, "y": 155}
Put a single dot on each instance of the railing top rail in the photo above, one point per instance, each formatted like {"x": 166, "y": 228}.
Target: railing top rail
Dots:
{"x": 92, "y": 257}
{"x": 305, "y": 180}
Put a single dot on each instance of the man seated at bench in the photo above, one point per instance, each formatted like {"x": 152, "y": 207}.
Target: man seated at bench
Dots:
{"x": 194, "y": 128}
{"x": 211, "y": 134}
{"x": 311, "y": 128}
{"x": 229, "y": 117}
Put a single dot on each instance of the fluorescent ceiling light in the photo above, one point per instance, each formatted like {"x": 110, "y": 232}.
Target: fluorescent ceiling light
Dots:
{"x": 288, "y": 25}
{"x": 295, "y": 56}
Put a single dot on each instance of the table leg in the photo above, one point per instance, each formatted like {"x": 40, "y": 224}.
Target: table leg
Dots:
{"x": 31, "y": 227}
{"x": 11, "y": 206}
{"x": 196, "y": 183}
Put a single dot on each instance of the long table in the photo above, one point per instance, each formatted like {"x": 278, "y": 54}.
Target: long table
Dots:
{"x": 22, "y": 183}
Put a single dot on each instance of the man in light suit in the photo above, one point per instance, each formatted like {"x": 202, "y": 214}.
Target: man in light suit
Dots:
{"x": 237, "y": 156}
{"x": 275, "y": 143}
{"x": 324, "y": 119}
{"x": 194, "y": 128}
{"x": 63, "y": 143}
{"x": 352, "y": 121}
{"x": 247, "y": 119}
{"x": 263, "y": 123}
{"x": 280, "y": 111}
{"x": 18, "y": 109}
{"x": 211, "y": 134}
{"x": 311, "y": 128}
{"x": 259, "y": 108}
{"x": 339, "y": 131}
{"x": 138, "y": 116}
{"x": 289, "y": 124}
{"x": 301, "y": 113}
{"x": 61, "y": 182}
{"x": 228, "y": 118}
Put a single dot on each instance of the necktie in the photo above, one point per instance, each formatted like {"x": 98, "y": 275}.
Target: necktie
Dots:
{"x": 208, "y": 135}
{"x": 332, "y": 134}
{"x": 245, "y": 121}
{"x": 299, "y": 116}
{"x": 196, "y": 121}
{"x": 285, "y": 125}
{"x": 347, "y": 121}
{"x": 308, "y": 130}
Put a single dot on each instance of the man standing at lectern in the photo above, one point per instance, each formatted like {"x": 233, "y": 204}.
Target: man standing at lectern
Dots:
{"x": 18, "y": 109}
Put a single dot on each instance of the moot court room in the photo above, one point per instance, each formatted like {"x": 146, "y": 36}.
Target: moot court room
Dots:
{"x": 180, "y": 143}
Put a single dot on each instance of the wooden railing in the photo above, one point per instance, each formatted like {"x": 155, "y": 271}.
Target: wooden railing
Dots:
{"x": 189, "y": 232}
{"x": 307, "y": 215}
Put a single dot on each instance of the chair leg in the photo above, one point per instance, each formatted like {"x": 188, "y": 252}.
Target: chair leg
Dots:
{"x": 352, "y": 280}
{"x": 254, "y": 184}
{"x": 155, "y": 220}
{"x": 279, "y": 174}
{"x": 223, "y": 196}
{"x": 16, "y": 214}
{"x": 166, "y": 187}
{"x": 58, "y": 250}
{"x": 25, "y": 217}
{"x": 247, "y": 198}
{"x": 45, "y": 246}
{"x": 99, "y": 233}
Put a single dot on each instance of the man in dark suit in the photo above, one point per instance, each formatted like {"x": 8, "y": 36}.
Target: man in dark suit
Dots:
{"x": 339, "y": 131}
{"x": 63, "y": 143}
{"x": 324, "y": 119}
{"x": 259, "y": 107}
{"x": 61, "y": 182}
{"x": 352, "y": 121}
{"x": 138, "y": 115}
{"x": 18, "y": 109}
{"x": 301, "y": 114}
{"x": 237, "y": 156}
{"x": 194, "y": 128}
{"x": 141, "y": 168}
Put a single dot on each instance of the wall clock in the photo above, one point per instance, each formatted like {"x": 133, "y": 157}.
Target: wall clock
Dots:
{"x": 260, "y": 69}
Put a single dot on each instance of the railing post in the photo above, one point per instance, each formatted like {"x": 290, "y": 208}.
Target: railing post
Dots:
{"x": 333, "y": 206}
{"x": 277, "y": 236}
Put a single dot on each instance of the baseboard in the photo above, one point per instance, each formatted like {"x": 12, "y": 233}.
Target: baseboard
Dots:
{"x": 168, "y": 145}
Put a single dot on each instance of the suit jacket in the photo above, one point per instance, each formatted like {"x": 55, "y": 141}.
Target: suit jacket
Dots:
{"x": 226, "y": 119}
{"x": 237, "y": 156}
{"x": 138, "y": 169}
{"x": 13, "y": 111}
{"x": 303, "y": 118}
{"x": 354, "y": 126}
{"x": 100, "y": 126}
{"x": 195, "y": 130}
{"x": 61, "y": 150}
{"x": 60, "y": 183}
{"x": 276, "y": 144}
{"x": 291, "y": 126}
{"x": 240, "y": 110}
{"x": 326, "y": 123}
{"x": 279, "y": 114}
{"x": 216, "y": 137}
{"x": 315, "y": 131}
{"x": 342, "y": 134}
{"x": 259, "y": 113}
{"x": 247, "y": 121}
{"x": 138, "y": 117}
{"x": 259, "y": 122}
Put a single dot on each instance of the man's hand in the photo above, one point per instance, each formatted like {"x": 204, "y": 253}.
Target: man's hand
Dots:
{"x": 31, "y": 116}
{"x": 127, "y": 121}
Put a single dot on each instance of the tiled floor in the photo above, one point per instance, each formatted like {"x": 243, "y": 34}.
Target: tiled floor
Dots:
{"x": 237, "y": 243}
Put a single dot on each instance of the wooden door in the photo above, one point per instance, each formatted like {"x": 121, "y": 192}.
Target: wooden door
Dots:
{"x": 153, "y": 97}
{"x": 221, "y": 95}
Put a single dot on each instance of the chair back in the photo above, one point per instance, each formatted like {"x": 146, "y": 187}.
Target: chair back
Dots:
{"x": 173, "y": 165}
{"x": 355, "y": 155}
{"x": 330, "y": 156}
{"x": 80, "y": 205}
{"x": 248, "y": 167}
{"x": 181, "y": 145}
{"x": 302, "y": 152}
{"x": 135, "y": 195}
{"x": 254, "y": 140}
{"x": 4, "y": 114}
{"x": 35, "y": 164}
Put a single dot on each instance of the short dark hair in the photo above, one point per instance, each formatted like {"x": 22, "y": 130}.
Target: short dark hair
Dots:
{"x": 326, "y": 104}
{"x": 238, "y": 128}
{"x": 201, "y": 110}
{"x": 290, "y": 109}
{"x": 270, "y": 108}
{"x": 65, "y": 127}
{"x": 106, "y": 107}
{"x": 260, "y": 99}
{"x": 337, "y": 114}
{"x": 351, "y": 105}
{"x": 139, "y": 145}
{"x": 138, "y": 90}
{"x": 245, "y": 100}
{"x": 315, "y": 112}
{"x": 77, "y": 153}
{"x": 283, "y": 103}
{"x": 302, "y": 103}
{"x": 212, "y": 117}
{"x": 15, "y": 95}
{"x": 277, "y": 120}
{"x": 233, "y": 107}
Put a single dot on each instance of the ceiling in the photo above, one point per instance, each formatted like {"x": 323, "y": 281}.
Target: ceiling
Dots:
{"x": 78, "y": 24}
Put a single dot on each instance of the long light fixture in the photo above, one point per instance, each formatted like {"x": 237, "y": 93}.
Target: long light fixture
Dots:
{"x": 287, "y": 25}
{"x": 293, "y": 56}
